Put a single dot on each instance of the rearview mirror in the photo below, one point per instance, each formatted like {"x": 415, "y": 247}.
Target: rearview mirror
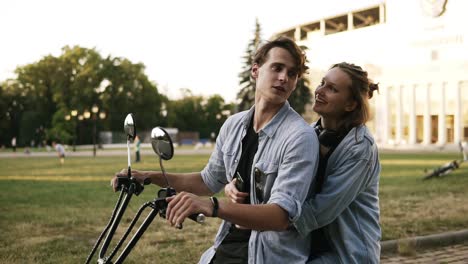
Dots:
{"x": 129, "y": 127}
{"x": 162, "y": 143}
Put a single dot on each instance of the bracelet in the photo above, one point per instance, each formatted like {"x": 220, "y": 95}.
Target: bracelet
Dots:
{"x": 215, "y": 203}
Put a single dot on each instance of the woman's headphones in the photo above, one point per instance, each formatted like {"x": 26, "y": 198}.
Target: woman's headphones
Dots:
{"x": 328, "y": 137}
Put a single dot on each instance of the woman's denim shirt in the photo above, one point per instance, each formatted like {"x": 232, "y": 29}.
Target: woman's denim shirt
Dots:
{"x": 348, "y": 204}
{"x": 287, "y": 156}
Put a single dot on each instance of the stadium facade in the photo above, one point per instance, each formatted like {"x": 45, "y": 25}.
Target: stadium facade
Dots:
{"x": 418, "y": 53}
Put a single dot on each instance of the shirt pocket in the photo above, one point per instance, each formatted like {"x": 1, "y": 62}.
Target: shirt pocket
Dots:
{"x": 265, "y": 174}
{"x": 230, "y": 161}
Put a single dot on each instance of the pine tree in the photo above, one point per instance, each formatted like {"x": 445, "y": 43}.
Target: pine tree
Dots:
{"x": 246, "y": 94}
{"x": 302, "y": 95}
{"x": 298, "y": 99}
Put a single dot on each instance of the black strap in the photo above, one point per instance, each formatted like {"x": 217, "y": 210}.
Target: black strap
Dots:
{"x": 319, "y": 241}
{"x": 215, "y": 203}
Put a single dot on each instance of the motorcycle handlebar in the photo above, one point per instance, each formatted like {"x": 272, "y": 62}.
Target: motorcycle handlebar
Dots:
{"x": 166, "y": 192}
{"x": 199, "y": 218}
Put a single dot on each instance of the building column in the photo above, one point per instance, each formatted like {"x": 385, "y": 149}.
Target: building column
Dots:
{"x": 457, "y": 133}
{"x": 386, "y": 116}
{"x": 381, "y": 114}
{"x": 399, "y": 116}
{"x": 323, "y": 28}
{"x": 382, "y": 13}
{"x": 378, "y": 117}
{"x": 412, "y": 117}
{"x": 442, "y": 129}
{"x": 350, "y": 21}
{"x": 297, "y": 34}
{"x": 427, "y": 117}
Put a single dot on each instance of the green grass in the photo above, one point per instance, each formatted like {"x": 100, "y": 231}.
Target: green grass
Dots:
{"x": 411, "y": 206}
{"x": 53, "y": 214}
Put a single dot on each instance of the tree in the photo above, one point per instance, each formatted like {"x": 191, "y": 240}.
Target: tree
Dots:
{"x": 130, "y": 91}
{"x": 186, "y": 114}
{"x": 246, "y": 95}
{"x": 216, "y": 113}
{"x": 197, "y": 113}
{"x": 5, "y": 119}
{"x": 302, "y": 95}
{"x": 37, "y": 84}
{"x": 45, "y": 92}
{"x": 298, "y": 99}
{"x": 12, "y": 104}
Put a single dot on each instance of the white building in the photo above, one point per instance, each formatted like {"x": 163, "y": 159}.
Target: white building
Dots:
{"x": 418, "y": 53}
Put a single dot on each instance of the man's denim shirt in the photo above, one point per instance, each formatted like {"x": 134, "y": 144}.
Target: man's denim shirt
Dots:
{"x": 348, "y": 204}
{"x": 288, "y": 157}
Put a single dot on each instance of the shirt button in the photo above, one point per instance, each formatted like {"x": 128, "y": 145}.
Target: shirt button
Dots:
{"x": 235, "y": 161}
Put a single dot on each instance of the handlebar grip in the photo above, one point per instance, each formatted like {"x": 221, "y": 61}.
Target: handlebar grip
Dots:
{"x": 147, "y": 181}
{"x": 199, "y": 218}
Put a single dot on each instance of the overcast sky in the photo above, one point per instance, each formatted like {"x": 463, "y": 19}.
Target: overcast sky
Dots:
{"x": 183, "y": 43}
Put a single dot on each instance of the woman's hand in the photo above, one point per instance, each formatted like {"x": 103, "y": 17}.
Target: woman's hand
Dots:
{"x": 233, "y": 194}
{"x": 185, "y": 204}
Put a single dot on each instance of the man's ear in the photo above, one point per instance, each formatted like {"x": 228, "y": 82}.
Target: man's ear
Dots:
{"x": 254, "y": 71}
{"x": 350, "y": 106}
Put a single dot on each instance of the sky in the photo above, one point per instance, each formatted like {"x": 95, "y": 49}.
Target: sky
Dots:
{"x": 183, "y": 43}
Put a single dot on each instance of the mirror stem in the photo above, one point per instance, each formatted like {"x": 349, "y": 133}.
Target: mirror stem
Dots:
{"x": 164, "y": 172}
{"x": 129, "y": 159}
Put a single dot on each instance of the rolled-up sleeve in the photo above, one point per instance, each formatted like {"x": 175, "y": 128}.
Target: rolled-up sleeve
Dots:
{"x": 296, "y": 173}
{"x": 214, "y": 173}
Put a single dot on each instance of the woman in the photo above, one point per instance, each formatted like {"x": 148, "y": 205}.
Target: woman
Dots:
{"x": 343, "y": 211}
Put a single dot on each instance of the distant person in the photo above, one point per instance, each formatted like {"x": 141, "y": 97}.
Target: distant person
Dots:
{"x": 464, "y": 150}
{"x": 137, "y": 149}
{"x": 60, "y": 151}
{"x": 13, "y": 144}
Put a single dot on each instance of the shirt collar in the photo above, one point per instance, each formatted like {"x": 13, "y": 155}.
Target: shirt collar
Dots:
{"x": 274, "y": 123}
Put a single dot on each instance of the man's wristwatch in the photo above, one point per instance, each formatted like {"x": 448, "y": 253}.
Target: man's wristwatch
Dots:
{"x": 215, "y": 203}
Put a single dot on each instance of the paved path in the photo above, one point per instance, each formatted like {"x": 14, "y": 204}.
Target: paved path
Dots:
{"x": 455, "y": 254}
{"x": 83, "y": 153}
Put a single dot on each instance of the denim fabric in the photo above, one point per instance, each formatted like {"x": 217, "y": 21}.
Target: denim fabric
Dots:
{"x": 349, "y": 204}
{"x": 287, "y": 158}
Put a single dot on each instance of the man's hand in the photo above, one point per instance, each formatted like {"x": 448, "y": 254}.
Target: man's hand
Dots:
{"x": 185, "y": 204}
{"x": 233, "y": 194}
{"x": 139, "y": 176}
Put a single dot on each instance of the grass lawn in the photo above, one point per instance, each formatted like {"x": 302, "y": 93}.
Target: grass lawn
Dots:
{"x": 53, "y": 214}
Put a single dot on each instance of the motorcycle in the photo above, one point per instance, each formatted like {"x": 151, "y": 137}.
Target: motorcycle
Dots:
{"x": 128, "y": 186}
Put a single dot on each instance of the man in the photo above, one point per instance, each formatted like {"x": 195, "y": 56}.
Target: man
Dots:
{"x": 60, "y": 151}
{"x": 13, "y": 144}
{"x": 275, "y": 153}
{"x": 137, "y": 149}
{"x": 464, "y": 150}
